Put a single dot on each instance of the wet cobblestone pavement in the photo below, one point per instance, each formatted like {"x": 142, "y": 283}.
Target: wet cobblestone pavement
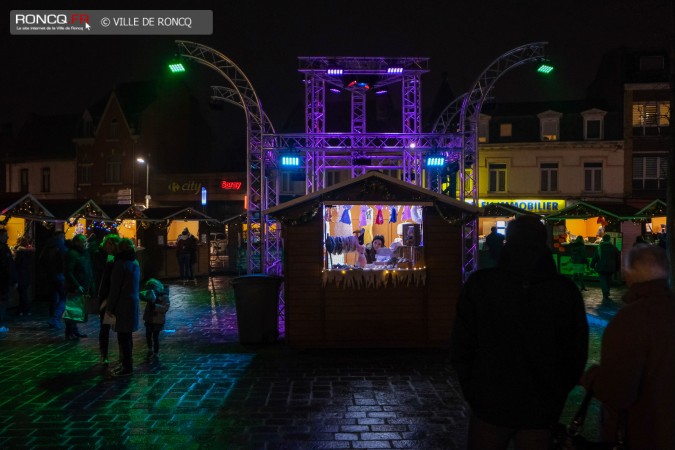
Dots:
{"x": 206, "y": 391}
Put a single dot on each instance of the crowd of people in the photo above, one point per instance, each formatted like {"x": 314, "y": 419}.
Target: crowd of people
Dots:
{"x": 83, "y": 274}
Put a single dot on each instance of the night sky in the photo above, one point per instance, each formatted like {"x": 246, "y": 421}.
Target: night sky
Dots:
{"x": 54, "y": 75}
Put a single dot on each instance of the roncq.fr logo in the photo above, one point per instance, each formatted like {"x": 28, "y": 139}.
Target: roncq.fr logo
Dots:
{"x": 52, "y": 19}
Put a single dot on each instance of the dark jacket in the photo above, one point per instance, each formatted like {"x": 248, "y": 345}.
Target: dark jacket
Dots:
{"x": 606, "y": 258}
{"x": 637, "y": 366}
{"x": 78, "y": 271}
{"x": 123, "y": 300}
{"x": 8, "y": 275}
{"x": 520, "y": 339}
{"x": 24, "y": 258}
{"x": 578, "y": 253}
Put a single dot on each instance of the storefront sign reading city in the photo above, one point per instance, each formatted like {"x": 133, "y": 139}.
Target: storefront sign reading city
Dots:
{"x": 541, "y": 206}
{"x": 195, "y": 187}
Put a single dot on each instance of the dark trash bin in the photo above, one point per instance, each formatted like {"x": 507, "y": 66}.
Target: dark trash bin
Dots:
{"x": 256, "y": 298}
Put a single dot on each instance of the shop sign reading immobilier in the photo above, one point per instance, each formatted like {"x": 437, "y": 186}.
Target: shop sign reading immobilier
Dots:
{"x": 535, "y": 205}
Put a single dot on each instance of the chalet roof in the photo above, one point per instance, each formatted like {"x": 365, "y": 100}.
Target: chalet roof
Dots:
{"x": 64, "y": 210}
{"x": 375, "y": 187}
{"x": 657, "y": 208}
{"x": 117, "y": 212}
{"x": 616, "y": 211}
{"x": 23, "y": 206}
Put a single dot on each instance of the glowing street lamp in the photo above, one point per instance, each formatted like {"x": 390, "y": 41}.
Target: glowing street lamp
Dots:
{"x": 147, "y": 180}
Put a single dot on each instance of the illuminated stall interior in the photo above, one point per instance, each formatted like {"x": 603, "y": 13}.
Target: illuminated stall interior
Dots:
{"x": 653, "y": 219}
{"x": 19, "y": 214}
{"x": 591, "y": 221}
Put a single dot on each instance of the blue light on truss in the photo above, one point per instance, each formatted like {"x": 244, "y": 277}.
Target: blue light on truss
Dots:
{"x": 290, "y": 161}
{"x": 435, "y": 161}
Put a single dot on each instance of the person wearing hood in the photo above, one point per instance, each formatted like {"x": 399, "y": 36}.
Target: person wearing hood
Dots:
{"x": 519, "y": 342}
{"x": 186, "y": 248}
{"x": 634, "y": 380}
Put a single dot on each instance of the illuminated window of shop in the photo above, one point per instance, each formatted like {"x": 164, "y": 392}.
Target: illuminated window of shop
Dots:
{"x": 23, "y": 180}
{"x": 549, "y": 125}
{"x": 84, "y": 173}
{"x": 593, "y": 177}
{"x": 497, "y": 177}
{"x": 484, "y": 129}
{"x": 549, "y": 177}
{"x": 113, "y": 169}
{"x": 650, "y": 172}
{"x": 505, "y": 130}
{"x": 46, "y": 180}
{"x": 593, "y": 124}
{"x": 649, "y": 117}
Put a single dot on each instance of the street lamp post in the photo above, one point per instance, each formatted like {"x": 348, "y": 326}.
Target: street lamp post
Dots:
{"x": 147, "y": 181}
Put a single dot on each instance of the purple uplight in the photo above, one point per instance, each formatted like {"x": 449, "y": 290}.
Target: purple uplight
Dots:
{"x": 381, "y": 91}
{"x": 335, "y": 90}
{"x": 394, "y": 70}
{"x": 335, "y": 72}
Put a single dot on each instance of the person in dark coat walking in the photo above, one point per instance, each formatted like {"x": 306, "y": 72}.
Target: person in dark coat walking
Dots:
{"x": 109, "y": 247}
{"x": 606, "y": 261}
{"x": 24, "y": 258}
{"x": 52, "y": 263}
{"x": 637, "y": 357}
{"x": 579, "y": 261}
{"x": 494, "y": 243}
{"x": 124, "y": 303}
{"x": 7, "y": 277}
{"x": 79, "y": 279}
{"x": 519, "y": 342}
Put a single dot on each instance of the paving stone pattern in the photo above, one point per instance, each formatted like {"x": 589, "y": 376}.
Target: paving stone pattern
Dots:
{"x": 206, "y": 391}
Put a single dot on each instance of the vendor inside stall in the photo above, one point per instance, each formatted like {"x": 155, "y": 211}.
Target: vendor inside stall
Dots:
{"x": 373, "y": 236}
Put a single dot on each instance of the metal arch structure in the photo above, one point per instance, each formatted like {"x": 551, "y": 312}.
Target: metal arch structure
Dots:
{"x": 262, "y": 190}
{"x": 468, "y": 128}
{"x": 231, "y": 96}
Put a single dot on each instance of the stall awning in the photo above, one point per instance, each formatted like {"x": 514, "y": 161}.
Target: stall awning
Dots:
{"x": 65, "y": 210}
{"x": 164, "y": 213}
{"x": 23, "y": 206}
{"x": 611, "y": 211}
{"x": 657, "y": 208}
{"x": 504, "y": 210}
{"x": 372, "y": 188}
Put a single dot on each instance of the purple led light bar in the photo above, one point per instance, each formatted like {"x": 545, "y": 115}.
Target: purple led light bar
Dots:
{"x": 394, "y": 70}
{"x": 334, "y": 72}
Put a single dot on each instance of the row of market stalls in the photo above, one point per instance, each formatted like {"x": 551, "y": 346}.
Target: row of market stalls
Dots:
{"x": 153, "y": 230}
{"x": 590, "y": 220}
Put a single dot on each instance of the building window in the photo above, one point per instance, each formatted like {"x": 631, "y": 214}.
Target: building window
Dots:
{"x": 46, "y": 180}
{"x": 484, "y": 129}
{"x": 593, "y": 177}
{"x": 505, "y": 130}
{"x": 549, "y": 177}
{"x": 594, "y": 120}
{"x": 113, "y": 169}
{"x": 84, "y": 174}
{"x": 113, "y": 129}
{"x": 23, "y": 180}
{"x": 549, "y": 125}
{"x": 650, "y": 117}
{"x": 650, "y": 172}
{"x": 497, "y": 177}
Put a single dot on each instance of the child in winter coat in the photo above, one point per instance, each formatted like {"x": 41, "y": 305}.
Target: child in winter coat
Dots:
{"x": 156, "y": 296}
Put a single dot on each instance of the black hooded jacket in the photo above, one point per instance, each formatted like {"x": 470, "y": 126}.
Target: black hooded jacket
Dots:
{"x": 520, "y": 339}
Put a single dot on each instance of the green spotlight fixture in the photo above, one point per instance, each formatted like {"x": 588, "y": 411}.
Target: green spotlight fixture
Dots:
{"x": 545, "y": 67}
{"x": 176, "y": 67}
